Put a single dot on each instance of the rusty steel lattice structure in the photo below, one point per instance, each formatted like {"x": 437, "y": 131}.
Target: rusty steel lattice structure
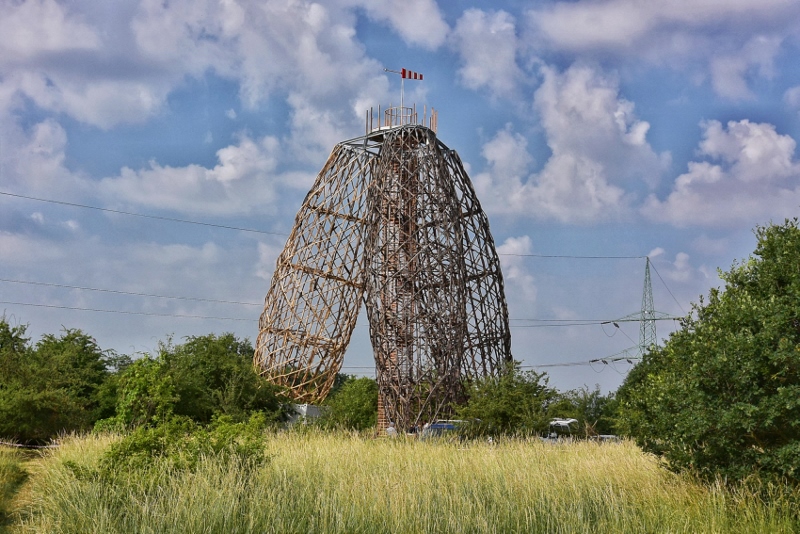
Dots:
{"x": 392, "y": 219}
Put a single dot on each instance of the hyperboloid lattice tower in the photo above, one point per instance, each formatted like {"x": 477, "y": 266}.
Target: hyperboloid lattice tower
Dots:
{"x": 392, "y": 219}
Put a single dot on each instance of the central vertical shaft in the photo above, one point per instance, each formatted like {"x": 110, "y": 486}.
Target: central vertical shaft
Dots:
{"x": 400, "y": 230}
{"x": 415, "y": 279}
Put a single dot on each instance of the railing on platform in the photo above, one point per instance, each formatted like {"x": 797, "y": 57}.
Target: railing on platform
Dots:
{"x": 395, "y": 116}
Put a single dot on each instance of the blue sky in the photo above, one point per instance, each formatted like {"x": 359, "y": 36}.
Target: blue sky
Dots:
{"x": 589, "y": 128}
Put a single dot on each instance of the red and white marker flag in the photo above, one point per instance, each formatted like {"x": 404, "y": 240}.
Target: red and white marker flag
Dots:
{"x": 410, "y": 74}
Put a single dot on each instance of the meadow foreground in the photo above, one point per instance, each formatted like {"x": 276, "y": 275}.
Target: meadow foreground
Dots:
{"x": 329, "y": 482}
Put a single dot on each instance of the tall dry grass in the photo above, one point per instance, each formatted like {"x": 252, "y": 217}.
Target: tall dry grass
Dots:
{"x": 315, "y": 482}
{"x": 12, "y": 476}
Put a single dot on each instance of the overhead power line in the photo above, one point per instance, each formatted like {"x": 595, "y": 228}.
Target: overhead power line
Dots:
{"x": 253, "y": 230}
{"x": 555, "y": 325}
{"x": 132, "y": 214}
{"x": 613, "y": 358}
{"x": 667, "y": 288}
{"x": 151, "y": 314}
{"x": 118, "y": 292}
{"x": 189, "y": 316}
{"x": 597, "y": 321}
{"x": 567, "y": 364}
{"x": 572, "y": 257}
{"x": 547, "y": 323}
{"x": 622, "y": 356}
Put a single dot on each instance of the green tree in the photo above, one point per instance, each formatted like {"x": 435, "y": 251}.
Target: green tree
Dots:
{"x": 353, "y": 405}
{"x": 595, "y": 412}
{"x": 145, "y": 393}
{"x": 51, "y": 388}
{"x": 215, "y": 375}
{"x": 15, "y": 352}
{"x": 108, "y": 391}
{"x": 722, "y": 397}
{"x": 78, "y": 366}
{"x": 205, "y": 377}
{"x": 515, "y": 402}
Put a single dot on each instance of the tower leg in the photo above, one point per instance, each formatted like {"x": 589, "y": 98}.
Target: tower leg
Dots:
{"x": 315, "y": 295}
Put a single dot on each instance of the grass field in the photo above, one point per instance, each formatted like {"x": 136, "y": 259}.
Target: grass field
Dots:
{"x": 12, "y": 476}
{"x": 315, "y": 482}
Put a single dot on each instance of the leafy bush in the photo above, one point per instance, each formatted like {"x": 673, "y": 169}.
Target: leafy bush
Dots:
{"x": 595, "y": 412}
{"x": 353, "y": 405}
{"x": 722, "y": 397}
{"x": 215, "y": 375}
{"x": 146, "y": 394}
{"x": 53, "y": 387}
{"x": 206, "y": 377}
{"x": 515, "y": 402}
{"x": 178, "y": 443}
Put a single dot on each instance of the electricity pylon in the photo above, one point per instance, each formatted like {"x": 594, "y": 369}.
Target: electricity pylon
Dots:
{"x": 647, "y": 318}
{"x": 392, "y": 219}
{"x": 647, "y": 324}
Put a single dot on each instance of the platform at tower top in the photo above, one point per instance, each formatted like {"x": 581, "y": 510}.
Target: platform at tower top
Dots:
{"x": 395, "y": 116}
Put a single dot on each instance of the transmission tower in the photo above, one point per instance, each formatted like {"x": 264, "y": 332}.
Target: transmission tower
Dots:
{"x": 393, "y": 220}
{"x": 646, "y": 318}
{"x": 647, "y": 324}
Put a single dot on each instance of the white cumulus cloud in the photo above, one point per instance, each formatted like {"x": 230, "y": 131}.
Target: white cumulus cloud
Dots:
{"x": 106, "y": 71}
{"x": 242, "y": 180}
{"x": 520, "y": 284}
{"x": 749, "y": 176}
{"x": 487, "y": 45}
{"x": 35, "y": 162}
{"x": 682, "y": 34}
{"x": 598, "y": 149}
{"x": 100, "y": 102}
{"x": 35, "y": 27}
{"x": 729, "y": 73}
{"x": 418, "y": 22}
